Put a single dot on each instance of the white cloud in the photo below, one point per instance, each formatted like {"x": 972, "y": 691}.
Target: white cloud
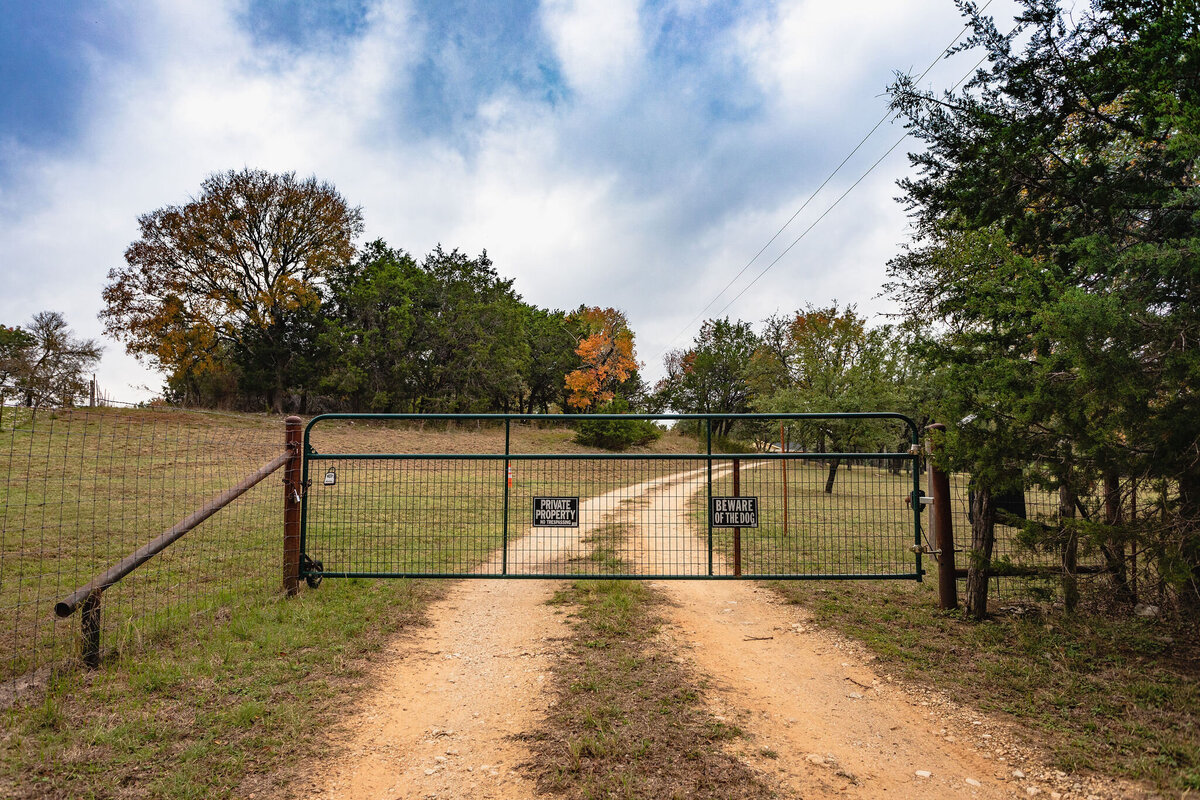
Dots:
{"x": 598, "y": 43}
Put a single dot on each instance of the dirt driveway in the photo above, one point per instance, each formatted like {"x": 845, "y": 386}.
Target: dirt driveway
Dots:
{"x": 448, "y": 700}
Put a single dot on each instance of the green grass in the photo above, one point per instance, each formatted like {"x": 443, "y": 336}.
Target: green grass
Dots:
{"x": 219, "y": 712}
{"x": 862, "y": 527}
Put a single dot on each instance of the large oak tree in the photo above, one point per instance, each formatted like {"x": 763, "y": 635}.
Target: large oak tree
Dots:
{"x": 235, "y": 270}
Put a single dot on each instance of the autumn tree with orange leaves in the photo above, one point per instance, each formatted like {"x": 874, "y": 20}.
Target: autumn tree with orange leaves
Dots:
{"x": 606, "y": 349}
{"x": 232, "y": 276}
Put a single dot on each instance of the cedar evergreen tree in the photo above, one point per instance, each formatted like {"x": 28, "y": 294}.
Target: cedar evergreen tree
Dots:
{"x": 1057, "y": 208}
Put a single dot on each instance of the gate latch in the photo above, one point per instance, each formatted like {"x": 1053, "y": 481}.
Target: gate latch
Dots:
{"x": 921, "y": 498}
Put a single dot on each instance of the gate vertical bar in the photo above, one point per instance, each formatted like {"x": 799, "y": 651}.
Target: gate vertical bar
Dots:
{"x": 708, "y": 504}
{"x": 737, "y": 532}
{"x": 507, "y": 487}
{"x": 943, "y": 527}
{"x": 292, "y": 483}
{"x": 783, "y": 462}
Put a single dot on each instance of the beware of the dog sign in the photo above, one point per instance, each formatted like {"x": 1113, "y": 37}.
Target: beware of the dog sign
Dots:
{"x": 734, "y": 512}
{"x": 556, "y": 512}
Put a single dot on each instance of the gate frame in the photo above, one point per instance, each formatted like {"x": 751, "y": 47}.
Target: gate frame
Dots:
{"x": 298, "y": 563}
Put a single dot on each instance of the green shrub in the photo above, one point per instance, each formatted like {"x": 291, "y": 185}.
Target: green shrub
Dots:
{"x": 616, "y": 434}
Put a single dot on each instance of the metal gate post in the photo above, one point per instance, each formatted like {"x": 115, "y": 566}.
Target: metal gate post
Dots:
{"x": 291, "y": 505}
{"x": 943, "y": 526}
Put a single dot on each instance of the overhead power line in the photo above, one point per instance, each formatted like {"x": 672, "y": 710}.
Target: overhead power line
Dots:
{"x": 886, "y": 116}
{"x": 834, "y": 204}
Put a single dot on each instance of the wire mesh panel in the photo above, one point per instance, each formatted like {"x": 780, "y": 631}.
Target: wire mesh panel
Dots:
{"x": 1014, "y": 550}
{"x": 82, "y": 488}
{"x": 492, "y": 512}
{"x": 824, "y": 518}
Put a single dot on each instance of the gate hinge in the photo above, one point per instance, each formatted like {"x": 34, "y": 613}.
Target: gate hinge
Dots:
{"x": 299, "y": 489}
{"x": 914, "y": 450}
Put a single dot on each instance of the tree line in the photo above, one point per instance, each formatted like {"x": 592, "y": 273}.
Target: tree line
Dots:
{"x": 252, "y": 295}
{"x": 816, "y": 360}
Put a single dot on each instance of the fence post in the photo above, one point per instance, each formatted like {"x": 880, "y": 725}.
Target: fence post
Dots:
{"x": 507, "y": 492}
{"x": 89, "y": 621}
{"x": 943, "y": 525}
{"x": 291, "y": 505}
{"x": 708, "y": 514}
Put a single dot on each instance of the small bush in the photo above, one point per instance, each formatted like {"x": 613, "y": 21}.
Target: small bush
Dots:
{"x": 616, "y": 434}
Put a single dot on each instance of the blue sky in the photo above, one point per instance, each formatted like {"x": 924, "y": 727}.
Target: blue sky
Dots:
{"x": 606, "y": 152}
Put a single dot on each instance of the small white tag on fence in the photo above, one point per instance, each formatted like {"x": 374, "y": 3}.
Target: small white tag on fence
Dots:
{"x": 556, "y": 512}
{"x": 330, "y": 478}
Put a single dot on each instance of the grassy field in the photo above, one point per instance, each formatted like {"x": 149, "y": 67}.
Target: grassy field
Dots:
{"x": 862, "y": 527}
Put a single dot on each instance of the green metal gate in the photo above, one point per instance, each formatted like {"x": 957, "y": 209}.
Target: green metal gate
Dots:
{"x": 490, "y": 506}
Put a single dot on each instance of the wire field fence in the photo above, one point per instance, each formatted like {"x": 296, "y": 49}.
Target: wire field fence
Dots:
{"x": 80, "y": 489}
{"x": 1031, "y": 568}
{"x": 500, "y": 511}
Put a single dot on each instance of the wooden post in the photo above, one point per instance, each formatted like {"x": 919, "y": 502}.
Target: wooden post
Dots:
{"x": 943, "y": 526}
{"x": 1070, "y": 548}
{"x": 292, "y": 487}
{"x": 737, "y": 532}
{"x": 90, "y": 625}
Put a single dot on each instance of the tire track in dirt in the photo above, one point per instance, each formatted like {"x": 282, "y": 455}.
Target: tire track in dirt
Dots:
{"x": 822, "y": 721}
{"x": 449, "y": 699}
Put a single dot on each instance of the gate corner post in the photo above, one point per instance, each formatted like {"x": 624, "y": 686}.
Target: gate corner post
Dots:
{"x": 943, "y": 526}
{"x": 293, "y": 436}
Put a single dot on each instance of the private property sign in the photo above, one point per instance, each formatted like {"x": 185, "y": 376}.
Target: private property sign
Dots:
{"x": 556, "y": 512}
{"x": 734, "y": 512}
